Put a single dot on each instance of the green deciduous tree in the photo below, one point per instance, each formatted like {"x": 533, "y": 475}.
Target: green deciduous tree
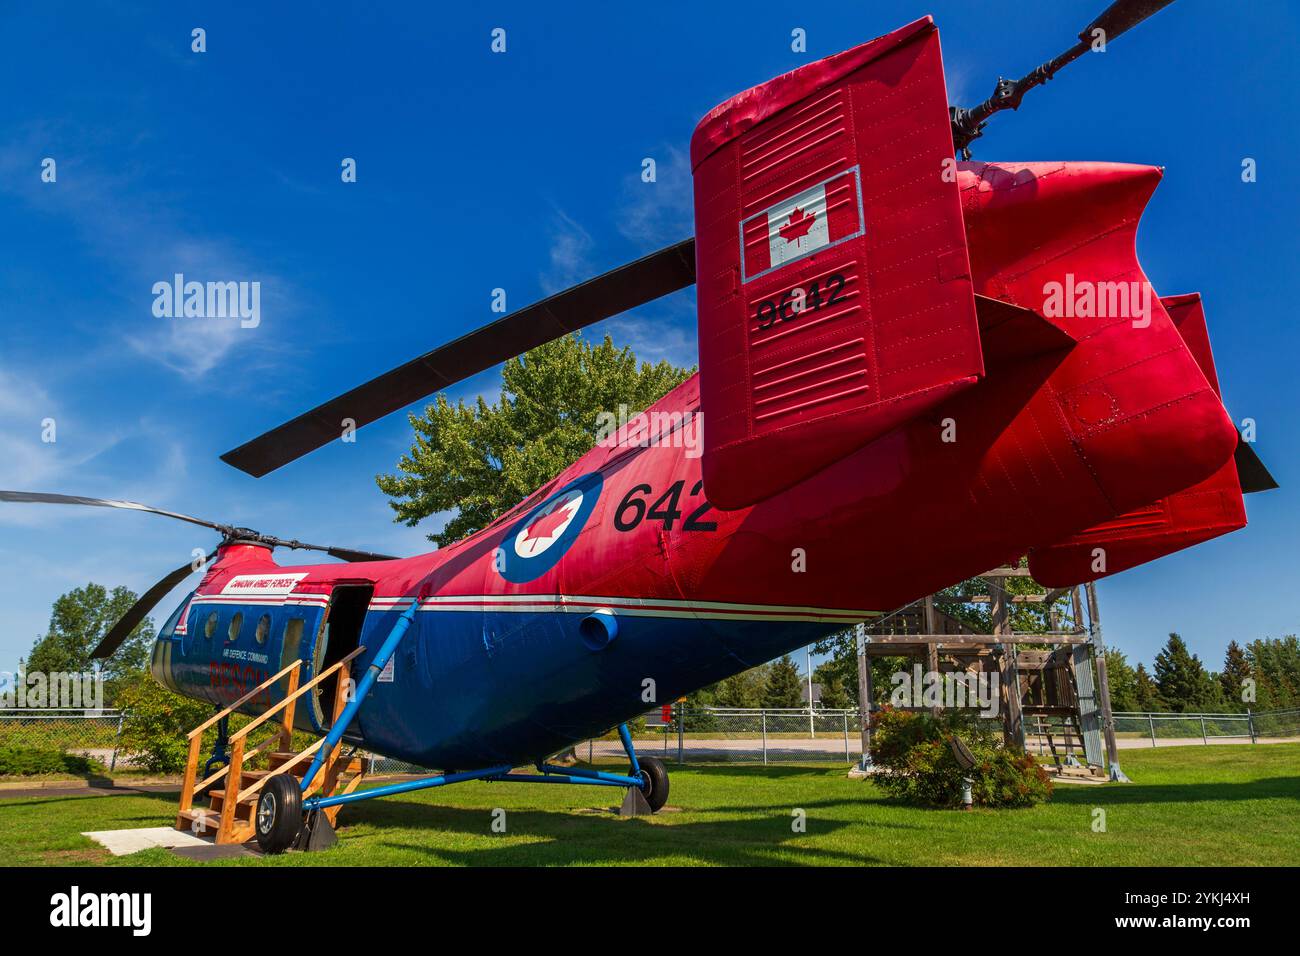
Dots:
{"x": 78, "y": 621}
{"x": 742, "y": 690}
{"x": 156, "y": 722}
{"x": 784, "y": 685}
{"x": 834, "y": 694}
{"x": 842, "y": 666}
{"x": 480, "y": 460}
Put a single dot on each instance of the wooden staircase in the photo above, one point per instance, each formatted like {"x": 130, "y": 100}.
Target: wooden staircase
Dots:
{"x": 232, "y": 807}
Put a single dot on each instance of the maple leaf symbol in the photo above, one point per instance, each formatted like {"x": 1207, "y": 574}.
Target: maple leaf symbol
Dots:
{"x": 798, "y": 226}
{"x": 548, "y": 520}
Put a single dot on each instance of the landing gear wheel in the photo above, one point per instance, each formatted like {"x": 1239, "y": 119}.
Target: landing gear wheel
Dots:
{"x": 278, "y": 820}
{"x": 654, "y": 782}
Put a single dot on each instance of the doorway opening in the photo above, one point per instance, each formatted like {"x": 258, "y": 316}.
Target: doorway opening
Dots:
{"x": 340, "y": 635}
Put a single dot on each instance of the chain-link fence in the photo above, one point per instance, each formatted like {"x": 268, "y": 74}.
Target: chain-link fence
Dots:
{"x": 722, "y": 735}
{"x": 1180, "y": 729}
{"x": 386, "y": 766}
{"x": 714, "y": 735}
{"x": 699, "y": 735}
{"x": 88, "y": 733}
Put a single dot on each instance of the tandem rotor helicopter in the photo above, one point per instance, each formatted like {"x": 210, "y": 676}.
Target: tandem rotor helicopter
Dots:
{"x": 861, "y": 293}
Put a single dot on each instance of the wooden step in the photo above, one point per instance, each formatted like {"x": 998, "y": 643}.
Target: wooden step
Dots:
{"x": 242, "y": 812}
{"x": 279, "y": 758}
{"x": 208, "y": 822}
{"x": 241, "y": 832}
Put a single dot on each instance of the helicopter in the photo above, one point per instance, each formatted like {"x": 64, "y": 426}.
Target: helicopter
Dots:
{"x": 897, "y": 345}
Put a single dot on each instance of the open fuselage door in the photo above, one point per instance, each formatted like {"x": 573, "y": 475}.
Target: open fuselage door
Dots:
{"x": 337, "y": 637}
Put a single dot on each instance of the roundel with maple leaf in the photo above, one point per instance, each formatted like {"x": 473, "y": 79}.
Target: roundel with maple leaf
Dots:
{"x": 536, "y": 542}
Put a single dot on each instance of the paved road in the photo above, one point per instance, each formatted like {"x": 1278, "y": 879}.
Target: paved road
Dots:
{"x": 832, "y": 748}
{"x": 90, "y": 790}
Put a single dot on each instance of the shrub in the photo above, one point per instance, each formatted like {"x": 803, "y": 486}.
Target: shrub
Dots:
{"x": 155, "y": 724}
{"x": 917, "y": 765}
{"x": 28, "y": 761}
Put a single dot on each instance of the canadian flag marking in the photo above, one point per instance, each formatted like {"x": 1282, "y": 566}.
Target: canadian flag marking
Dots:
{"x": 816, "y": 218}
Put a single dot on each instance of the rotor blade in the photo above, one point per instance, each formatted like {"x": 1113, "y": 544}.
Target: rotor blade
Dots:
{"x": 616, "y": 291}
{"x": 229, "y": 531}
{"x": 1122, "y": 15}
{"x": 141, "y": 608}
{"x": 343, "y": 554}
{"x": 1252, "y": 473}
{"x": 44, "y": 498}
{"x": 346, "y": 554}
{"x": 1119, "y": 17}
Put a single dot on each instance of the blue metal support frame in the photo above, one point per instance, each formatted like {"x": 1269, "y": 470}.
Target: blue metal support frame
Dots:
{"x": 548, "y": 773}
{"x": 386, "y": 650}
{"x": 593, "y": 776}
{"x": 625, "y": 735}
{"x": 565, "y": 778}
{"x": 424, "y": 783}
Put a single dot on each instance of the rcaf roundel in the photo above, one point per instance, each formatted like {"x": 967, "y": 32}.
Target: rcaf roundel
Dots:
{"x": 536, "y": 542}
{"x": 817, "y": 218}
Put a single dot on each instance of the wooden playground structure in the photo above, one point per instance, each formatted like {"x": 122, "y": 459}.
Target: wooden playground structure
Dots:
{"x": 1054, "y": 693}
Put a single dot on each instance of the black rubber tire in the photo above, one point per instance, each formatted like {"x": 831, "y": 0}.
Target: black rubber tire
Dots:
{"x": 277, "y": 819}
{"x": 655, "y": 781}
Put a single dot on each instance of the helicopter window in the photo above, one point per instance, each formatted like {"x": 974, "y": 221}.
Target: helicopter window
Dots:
{"x": 292, "y": 641}
{"x": 263, "y": 628}
{"x": 236, "y": 624}
{"x": 210, "y": 625}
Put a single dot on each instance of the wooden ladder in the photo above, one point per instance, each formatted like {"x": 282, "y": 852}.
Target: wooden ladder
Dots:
{"x": 232, "y": 808}
{"x": 1055, "y": 724}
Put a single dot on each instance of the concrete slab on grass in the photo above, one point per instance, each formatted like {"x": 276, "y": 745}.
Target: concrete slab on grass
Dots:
{"x": 125, "y": 842}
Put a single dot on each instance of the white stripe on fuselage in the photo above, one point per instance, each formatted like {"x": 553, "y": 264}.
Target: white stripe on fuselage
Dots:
{"x": 568, "y": 604}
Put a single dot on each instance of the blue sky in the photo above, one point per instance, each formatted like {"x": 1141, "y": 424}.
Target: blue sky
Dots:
{"x": 521, "y": 171}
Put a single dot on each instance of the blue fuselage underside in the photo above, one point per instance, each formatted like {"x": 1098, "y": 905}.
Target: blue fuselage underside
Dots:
{"x": 473, "y": 688}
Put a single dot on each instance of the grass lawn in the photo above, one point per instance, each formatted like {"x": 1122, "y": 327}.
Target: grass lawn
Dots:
{"x": 1228, "y": 805}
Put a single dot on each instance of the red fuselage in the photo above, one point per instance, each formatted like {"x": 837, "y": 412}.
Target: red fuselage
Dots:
{"x": 499, "y": 664}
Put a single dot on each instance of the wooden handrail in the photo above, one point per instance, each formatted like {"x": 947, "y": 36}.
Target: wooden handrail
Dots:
{"x": 258, "y": 721}
{"x": 248, "y": 755}
{"x": 227, "y": 828}
{"x": 283, "y": 768}
{"x": 243, "y": 700}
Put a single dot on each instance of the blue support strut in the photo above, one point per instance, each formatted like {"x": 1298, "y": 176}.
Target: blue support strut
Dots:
{"x": 424, "y": 783}
{"x": 626, "y": 736}
{"x": 594, "y": 776}
{"x": 386, "y": 650}
{"x": 624, "y": 782}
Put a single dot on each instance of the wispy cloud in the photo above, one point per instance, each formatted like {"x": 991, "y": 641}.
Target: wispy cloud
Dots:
{"x": 570, "y": 254}
{"x": 959, "y": 79}
{"x": 664, "y": 331}
{"x": 126, "y": 222}
{"x": 662, "y": 212}
{"x": 80, "y": 459}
